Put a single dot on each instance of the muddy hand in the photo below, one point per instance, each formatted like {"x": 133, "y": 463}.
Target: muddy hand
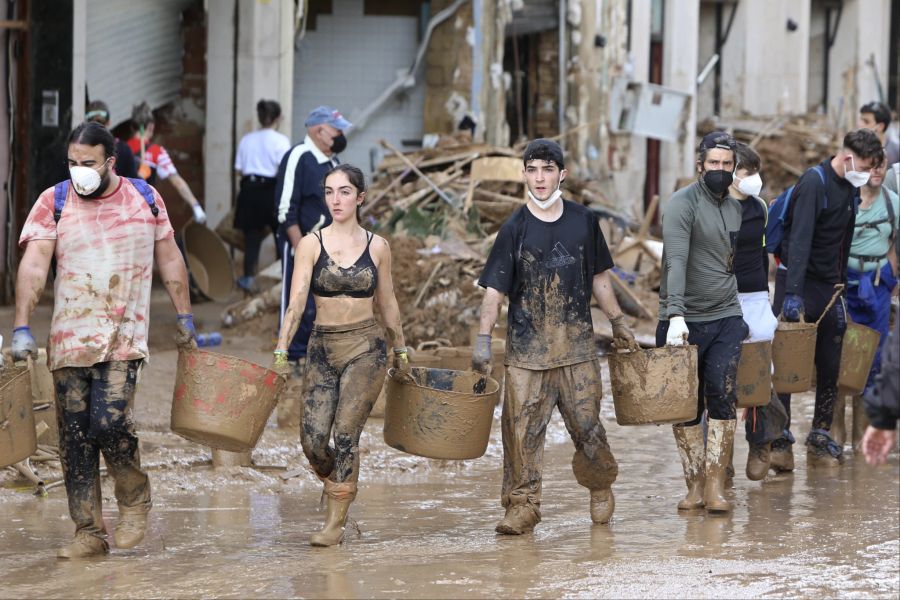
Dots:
{"x": 481, "y": 354}
{"x": 678, "y": 332}
{"x": 185, "y": 334}
{"x": 623, "y": 338}
{"x": 23, "y": 343}
{"x": 280, "y": 363}
{"x": 401, "y": 359}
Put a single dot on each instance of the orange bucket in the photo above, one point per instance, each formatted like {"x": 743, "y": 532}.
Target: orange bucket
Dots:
{"x": 222, "y": 401}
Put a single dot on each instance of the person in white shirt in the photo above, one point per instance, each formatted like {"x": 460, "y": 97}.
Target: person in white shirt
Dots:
{"x": 258, "y": 156}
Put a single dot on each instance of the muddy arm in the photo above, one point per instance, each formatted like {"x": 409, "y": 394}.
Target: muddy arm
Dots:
{"x": 174, "y": 274}
{"x": 31, "y": 278}
{"x": 606, "y": 297}
{"x": 300, "y": 280}
{"x": 384, "y": 294}
{"x": 490, "y": 310}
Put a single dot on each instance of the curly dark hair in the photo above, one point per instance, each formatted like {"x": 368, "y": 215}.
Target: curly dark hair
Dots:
{"x": 864, "y": 143}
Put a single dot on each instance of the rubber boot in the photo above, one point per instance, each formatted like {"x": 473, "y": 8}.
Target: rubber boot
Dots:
{"x": 719, "y": 443}
{"x": 860, "y": 422}
{"x": 131, "y": 526}
{"x": 838, "y": 426}
{"x": 729, "y": 470}
{"x": 339, "y": 497}
{"x": 603, "y": 503}
{"x": 689, "y": 440}
{"x": 83, "y": 546}
{"x": 758, "y": 461}
{"x": 519, "y": 519}
{"x": 781, "y": 457}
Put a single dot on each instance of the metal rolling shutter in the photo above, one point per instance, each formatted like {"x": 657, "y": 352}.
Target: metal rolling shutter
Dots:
{"x": 134, "y": 53}
{"x": 534, "y": 16}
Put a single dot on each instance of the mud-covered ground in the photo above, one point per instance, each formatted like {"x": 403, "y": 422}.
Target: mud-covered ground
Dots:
{"x": 424, "y": 528}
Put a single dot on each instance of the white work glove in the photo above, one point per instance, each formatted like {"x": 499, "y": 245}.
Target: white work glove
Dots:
{"x": 678, "y": 332}
{"x": 199, "y": 215}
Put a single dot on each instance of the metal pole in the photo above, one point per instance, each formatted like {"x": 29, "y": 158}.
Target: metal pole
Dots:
{"x": 562, "y": 99}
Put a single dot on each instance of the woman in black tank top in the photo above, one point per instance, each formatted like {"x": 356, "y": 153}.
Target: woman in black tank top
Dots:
{"x": 346, "y": 269}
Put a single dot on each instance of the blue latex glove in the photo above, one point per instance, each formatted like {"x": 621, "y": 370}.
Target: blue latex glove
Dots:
{"x": 792, "y": 309}
{"x": 186, "y": 334}
{"x": 23, "y": 343}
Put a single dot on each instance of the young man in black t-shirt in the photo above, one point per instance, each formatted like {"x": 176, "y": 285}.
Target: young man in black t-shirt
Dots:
{"x": 548, "y": 258}
{"x": 751, "y": 270}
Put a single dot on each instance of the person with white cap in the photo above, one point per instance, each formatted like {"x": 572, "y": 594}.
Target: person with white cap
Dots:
{"x": 300, "y": 205}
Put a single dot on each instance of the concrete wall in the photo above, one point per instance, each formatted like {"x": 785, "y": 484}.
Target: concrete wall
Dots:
{"x": 218, "y": 143}
{"x": 680, "y": 58}
{"x": 349, "y": 76}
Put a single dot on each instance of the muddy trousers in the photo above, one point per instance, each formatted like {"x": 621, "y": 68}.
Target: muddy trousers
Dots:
{"x": 718, "y": 353}
{"x": 829, "y": 340}
{"x": 527, "y": 406}
{"x": 94, "y": 413}
{"x": 345, "y": 368}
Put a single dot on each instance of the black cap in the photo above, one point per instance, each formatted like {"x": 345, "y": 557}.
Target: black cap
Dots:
{"x": 544, "y": 149}
{"x": 718, "y": 139}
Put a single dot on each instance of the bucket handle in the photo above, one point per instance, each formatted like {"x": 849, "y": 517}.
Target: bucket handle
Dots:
{"x": 401, "y": 376}
{"x": 838, "y": 288}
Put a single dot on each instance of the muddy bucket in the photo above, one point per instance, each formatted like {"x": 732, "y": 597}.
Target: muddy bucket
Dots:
{"x": 208, "y": 262}
{"x": 658, "y": 385}
{"x": 793, "y": 351}
{"x": 857, "y": 355}
{"x": 754, "y": 375}
{"x": 440, "y": 413}
{"x": 222, "y": 401}
{"x": 18, "y": 439}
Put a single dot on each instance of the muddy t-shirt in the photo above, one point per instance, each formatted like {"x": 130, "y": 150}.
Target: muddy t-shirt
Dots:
{"x": 104, "y": 267}
{"x": 547, "y": 271}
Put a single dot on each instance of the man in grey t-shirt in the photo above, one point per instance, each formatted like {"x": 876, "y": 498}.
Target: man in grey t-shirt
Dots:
{"x": 698, "y": 302}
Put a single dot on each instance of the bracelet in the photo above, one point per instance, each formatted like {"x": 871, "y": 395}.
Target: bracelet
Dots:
{"x": 22, "y": 328}
{"x": 400, "y": 350}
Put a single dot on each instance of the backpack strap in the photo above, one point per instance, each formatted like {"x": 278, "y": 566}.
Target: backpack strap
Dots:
{"x": 821, "y": 173}
{"x": 147, "y": 192}
{"x": 892, "y": 218}
{"x": 60, "y": 191}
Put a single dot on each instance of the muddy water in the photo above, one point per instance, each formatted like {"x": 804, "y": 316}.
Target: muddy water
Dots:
{"x": 427, "y": 526}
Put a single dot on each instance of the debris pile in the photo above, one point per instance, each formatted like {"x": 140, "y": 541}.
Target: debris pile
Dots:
{"x": 787, "y": 145}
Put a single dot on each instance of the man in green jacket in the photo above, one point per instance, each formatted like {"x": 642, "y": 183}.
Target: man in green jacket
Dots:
{"x": 698, "y": 303}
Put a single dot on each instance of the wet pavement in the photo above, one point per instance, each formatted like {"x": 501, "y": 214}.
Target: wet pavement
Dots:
{"x": 425, "y": 529}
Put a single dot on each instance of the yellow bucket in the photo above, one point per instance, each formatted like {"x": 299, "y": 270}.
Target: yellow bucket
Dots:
{"x": 440, "y": 413}
{"x": 754, "y": 375}
{"x": 658, "y": 385}
{"x": 857, "y": 355}
{"x": 18, "y": 438}
{"x": 222, "y": 401}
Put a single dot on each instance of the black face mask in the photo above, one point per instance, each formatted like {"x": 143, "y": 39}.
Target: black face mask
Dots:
{"x": 718, "y": 181}
{"x": 338, "y": 143}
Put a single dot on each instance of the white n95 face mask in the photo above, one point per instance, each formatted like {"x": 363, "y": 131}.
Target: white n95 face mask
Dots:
{"x": 750, "y": 185}
{"x": 856, "y": 178}
{"x": 545, "y": 204}
{"x": 85, "y": 180}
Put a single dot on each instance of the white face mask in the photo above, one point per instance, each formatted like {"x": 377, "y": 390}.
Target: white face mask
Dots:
{"x": 85, "y": 179}
{"x": 545, "y": 204}
{"x": 750, "y": 185}
{"x": 856, "y": 178}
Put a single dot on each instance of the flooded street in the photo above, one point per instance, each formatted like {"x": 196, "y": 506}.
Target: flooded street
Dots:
{"x": 425, "y": 528}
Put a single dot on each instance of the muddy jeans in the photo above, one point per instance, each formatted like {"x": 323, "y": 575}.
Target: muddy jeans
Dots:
{"x": 529, "y": 400}
{"x": 718, "y": 353}
{"x": 345, "y": 367}
{"x": 94, "y": 412}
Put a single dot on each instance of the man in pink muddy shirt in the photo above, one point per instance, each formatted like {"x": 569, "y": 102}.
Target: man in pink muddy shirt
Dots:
{"x": 105, "y": 237}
